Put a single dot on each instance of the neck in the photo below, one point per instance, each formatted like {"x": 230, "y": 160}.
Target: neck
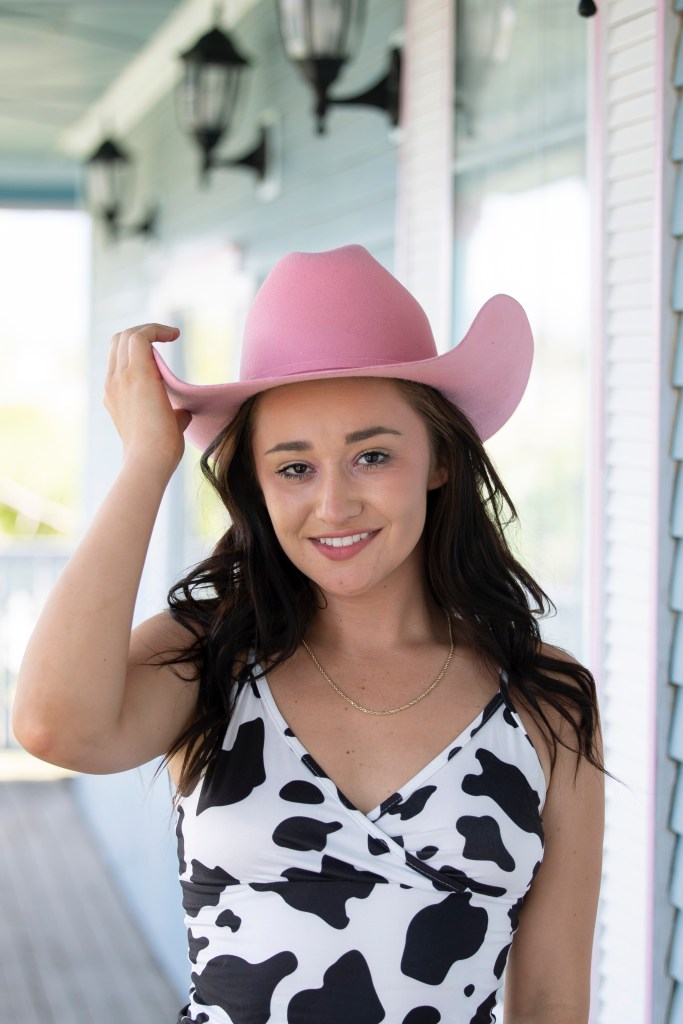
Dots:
{"x": 374, "y": 625}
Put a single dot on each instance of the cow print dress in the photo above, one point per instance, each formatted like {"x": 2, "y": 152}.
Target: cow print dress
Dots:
{"x": 301, "y": 909}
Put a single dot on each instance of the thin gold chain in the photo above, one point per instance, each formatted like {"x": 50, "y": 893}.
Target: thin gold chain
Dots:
{"x": 388, "y": 711}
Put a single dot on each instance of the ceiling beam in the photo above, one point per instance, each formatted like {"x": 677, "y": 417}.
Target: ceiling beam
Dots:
{"x": 151, "y": 74}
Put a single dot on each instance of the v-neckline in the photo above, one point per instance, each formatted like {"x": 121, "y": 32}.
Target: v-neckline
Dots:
{"x": 452, "y": 749}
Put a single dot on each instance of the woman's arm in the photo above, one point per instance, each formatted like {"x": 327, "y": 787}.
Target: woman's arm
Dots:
{"x": 82, "y": 671}
{"x": 549, "y": 967}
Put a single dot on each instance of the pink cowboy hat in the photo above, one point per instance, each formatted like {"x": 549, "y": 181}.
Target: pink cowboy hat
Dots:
{"x": 341, "y": 314}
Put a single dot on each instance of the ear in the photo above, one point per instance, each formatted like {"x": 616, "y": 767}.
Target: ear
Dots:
{"x": 437, "y": 478}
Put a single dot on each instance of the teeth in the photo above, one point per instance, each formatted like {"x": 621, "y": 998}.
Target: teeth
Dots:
{"x": 342, "y": 542}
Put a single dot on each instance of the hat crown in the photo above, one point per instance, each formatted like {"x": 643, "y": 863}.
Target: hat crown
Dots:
{"x": 334, "y": 310}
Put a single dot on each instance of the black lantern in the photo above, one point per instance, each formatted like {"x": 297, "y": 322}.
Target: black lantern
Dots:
{"x": 110, "y": 179}
{"x": 319, "y": 36}
{"x": 385, "y": 94}
{"x": 207, "y": 98}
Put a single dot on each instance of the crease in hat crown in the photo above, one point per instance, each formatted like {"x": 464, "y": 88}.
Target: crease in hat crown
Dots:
{"x": 340, "y": 313}
{"x": 343, "y": 310}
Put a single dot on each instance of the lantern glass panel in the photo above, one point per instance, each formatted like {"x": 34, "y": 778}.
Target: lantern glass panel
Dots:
{"x": 320, "y": 28}
{"x": 207, "y": 96}
{"x": 109, "y": 184}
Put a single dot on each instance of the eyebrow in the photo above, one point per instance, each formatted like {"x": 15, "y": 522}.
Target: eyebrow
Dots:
{"x": 353, "y": 438}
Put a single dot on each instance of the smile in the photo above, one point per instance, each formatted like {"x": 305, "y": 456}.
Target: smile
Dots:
{"x": 340, "y": 548}
{"x": 342, "y": 542}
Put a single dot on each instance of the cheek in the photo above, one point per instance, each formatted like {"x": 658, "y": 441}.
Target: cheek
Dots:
{"x": 283, "y": 507}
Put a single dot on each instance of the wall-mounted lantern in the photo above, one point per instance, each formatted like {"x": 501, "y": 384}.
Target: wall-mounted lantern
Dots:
{"x": 319, "y": 36}
{"x": 110, "y": 173}
{"x": 207, "y": 98}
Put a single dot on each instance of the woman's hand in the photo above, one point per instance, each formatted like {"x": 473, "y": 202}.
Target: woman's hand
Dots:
{"x": 136, "y": 399}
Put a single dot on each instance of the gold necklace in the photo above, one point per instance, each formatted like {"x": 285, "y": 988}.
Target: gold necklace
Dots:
{"x": 389, "y": 711}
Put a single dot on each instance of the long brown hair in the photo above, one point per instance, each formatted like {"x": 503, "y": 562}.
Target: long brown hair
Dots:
{"x": 248, "y": 596}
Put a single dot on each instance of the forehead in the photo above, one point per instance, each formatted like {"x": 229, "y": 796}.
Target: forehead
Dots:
{"x": 333, "y": 401}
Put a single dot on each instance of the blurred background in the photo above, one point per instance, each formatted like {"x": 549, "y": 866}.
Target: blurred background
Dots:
{"x": 158, "y": 157}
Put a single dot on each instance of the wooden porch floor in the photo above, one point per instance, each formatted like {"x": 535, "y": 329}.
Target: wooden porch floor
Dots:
{"x": 69, "y": 951}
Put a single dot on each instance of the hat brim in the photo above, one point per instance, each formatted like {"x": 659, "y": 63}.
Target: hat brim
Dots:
{"x": 485, "y": 376}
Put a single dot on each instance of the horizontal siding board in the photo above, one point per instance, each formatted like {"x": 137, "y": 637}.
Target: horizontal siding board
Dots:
{"x": 637, "y": 242}
{"x": 677, "y": 289}
{"x": 631, "y": 578}
{"x": 677, "y": 506}
{"x": 632, "y": 215}
{"x": 625, "y": 348}
{"x": 642, "y": 55}
{"x": 635, "y": 83}
{"x": 629, "y": 190}
{"x": 630, "y": 452}
{"x": 677, "y": 580}
{"x": 624, "y": 165}
{"x": 626, "y": 577}
{"x": 677, "y": 212}
{"x": 677, "y": 438}
{"x": 677, "y": 869}
{"x": 620, "y": 662}
{"x": 633, "y": 30}
{"x": 676, "y": 1014}
{"x": 627, "y": 427}
{"x": 676, "y": 960}
{"x": 635, "y": 295}
{"x": 632, "y": 137}
{"x": 677, "y": 656}
{"x": 633, "y": 110}
{"x": 677, "y": 139}
{"x": 676, "y": 750}
{"x": 678, "y": 69}
{"x": 630, "y": 374}
{"x": 630, "y": 321}
{"x": 621, "y": 10}
{"x": 627, "y": 611}
{"x": 677, "y": 378}
{"x": 623, "y": 399}
{"x": 621, "y": 484}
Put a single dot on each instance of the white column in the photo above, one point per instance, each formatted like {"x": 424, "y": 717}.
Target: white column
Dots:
{"x": 424, "y": 209}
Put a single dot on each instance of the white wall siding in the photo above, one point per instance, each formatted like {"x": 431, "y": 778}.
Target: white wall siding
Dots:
{"x": 632, "y": 687}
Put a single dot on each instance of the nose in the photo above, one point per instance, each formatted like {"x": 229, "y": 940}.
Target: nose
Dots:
{"x": 338, "y": 500}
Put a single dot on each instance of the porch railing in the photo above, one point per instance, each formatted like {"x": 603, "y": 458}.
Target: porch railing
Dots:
{"x": 27, "y": 574}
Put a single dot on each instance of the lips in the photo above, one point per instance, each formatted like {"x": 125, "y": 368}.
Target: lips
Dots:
{"x": 342, "y": 542}
{"x": 337, "y": 548}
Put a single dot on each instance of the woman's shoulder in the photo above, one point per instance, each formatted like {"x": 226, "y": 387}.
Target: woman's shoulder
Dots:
{"x": 562, "y": 666}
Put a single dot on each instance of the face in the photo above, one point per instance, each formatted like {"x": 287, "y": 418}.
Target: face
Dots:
{"x": 344, "y": 467}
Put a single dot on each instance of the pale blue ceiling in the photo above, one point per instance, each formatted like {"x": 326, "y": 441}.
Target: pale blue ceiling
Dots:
{"x": 57, "y": 57}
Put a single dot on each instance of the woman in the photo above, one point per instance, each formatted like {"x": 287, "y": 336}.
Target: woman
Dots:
{"x": 382, "y": 773}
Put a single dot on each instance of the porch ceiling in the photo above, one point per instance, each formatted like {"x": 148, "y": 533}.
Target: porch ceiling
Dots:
{"x": 57, "y": 59}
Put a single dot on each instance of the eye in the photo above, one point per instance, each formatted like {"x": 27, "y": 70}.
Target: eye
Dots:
{"x": 373, "y": 458}
{"x": 293, "y": 471}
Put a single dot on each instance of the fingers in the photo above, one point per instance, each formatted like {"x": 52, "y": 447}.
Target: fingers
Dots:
{"x": 153, "y": 332}
{"x": 113, "y": 352}
{"x": 136, "y": 398}
{"x": 136, "y": 340}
